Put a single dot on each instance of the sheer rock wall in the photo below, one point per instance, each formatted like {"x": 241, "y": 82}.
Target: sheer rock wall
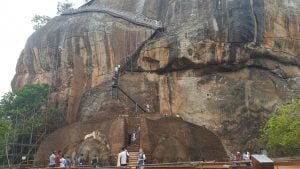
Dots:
{"x": 222, "y": 64}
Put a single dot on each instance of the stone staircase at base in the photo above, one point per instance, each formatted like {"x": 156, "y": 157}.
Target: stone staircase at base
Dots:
{"x": 133, "y": 148}
{"x": 133, "y": 159}
{"x": 133, "y": 153}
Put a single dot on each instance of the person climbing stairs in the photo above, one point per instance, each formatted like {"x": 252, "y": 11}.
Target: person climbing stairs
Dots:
{"x": 133, "y": 130}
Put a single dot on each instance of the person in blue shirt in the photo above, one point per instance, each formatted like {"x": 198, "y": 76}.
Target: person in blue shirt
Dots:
{"x": 141, "y": 159}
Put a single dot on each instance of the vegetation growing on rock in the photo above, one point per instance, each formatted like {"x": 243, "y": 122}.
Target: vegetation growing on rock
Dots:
{"x": 282, "y": 131}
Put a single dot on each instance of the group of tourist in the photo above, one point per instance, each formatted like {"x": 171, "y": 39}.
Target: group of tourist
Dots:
{"x": 240, "y": 157}
{"x": 123, "y": 158}
{"x": 235, "y": 158}
{"x": 246, "y": 155}
{"x": 57, "y": 159}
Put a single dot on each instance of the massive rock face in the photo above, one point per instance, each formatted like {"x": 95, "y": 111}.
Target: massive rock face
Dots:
{"x": 221, "y": 64}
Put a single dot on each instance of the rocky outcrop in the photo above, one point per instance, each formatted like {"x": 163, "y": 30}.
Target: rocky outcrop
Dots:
{"x": 222, "y": 64}
{"x": 173, "y": 140}
{"x": 169, "y": 139}
{"x": 102, "y": 137}
{"x": 231, "y": 69}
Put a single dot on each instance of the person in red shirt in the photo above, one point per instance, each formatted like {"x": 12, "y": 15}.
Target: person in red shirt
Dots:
{"x": 238, "y": 156}
{"x": 57, "y": 159}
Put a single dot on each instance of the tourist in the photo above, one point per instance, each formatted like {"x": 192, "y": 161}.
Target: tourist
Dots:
{"x": 246, "y": 156}
{"x": 133, "y": 138}
{"x": 81, "y": 160}
{"x": 147, "y": 108}
{"x": 62, "y": 162}
{"x": 94, "y": 161}
{"x": 117, "y": 71}
{"x": 52, "y": 159}
{"x": 68, "y": 162}
{"x": 57, "y": 159}
{"x": 141, "y": 159}
{"x": 124, "y": 155}
{"x": 231, "y": 157}
{"x": 238, "y": 156}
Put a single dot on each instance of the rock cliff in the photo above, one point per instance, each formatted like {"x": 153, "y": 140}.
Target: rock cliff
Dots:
{"x": 221, "y": 64}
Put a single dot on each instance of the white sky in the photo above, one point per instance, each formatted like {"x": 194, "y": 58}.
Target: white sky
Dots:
{"x": 15, "y": 29}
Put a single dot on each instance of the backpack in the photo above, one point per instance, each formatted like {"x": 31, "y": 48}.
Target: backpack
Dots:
{"x": 142, "y": 156}
{"x": 81, "y": 160}
{"x": 127, "y": 157}
{"x": 94, "y": 161}
{"x": 68, "y": 162}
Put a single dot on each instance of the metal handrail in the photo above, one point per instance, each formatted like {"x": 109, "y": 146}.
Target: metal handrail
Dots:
{"x": 134, "y": 56}
{"x": 130, "y": 98}
{"x": 138, "y": 19}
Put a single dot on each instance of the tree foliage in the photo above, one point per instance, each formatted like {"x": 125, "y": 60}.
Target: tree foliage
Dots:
{"x": 62, "y": 6}
{"x": 282, "y": 131}
{"x": 5, "y": 128}
{"x": 41, "y": 20}
{"x": 21, "y": 115}
{"x": 24, "y": 101}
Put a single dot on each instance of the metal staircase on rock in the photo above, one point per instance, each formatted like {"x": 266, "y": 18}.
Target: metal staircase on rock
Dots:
{"x": 128, "y": 66}
{"x": 133, "y": 120}
{"x": 134, "y": 124}
{"x": 137, "y": 19}
{"x": 115, "y": 95}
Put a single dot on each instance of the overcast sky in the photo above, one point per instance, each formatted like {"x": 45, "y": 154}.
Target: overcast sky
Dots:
{"x": 15, "y": 29}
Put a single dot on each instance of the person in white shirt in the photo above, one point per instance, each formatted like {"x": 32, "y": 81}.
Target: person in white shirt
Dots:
{"x": 52, "y": 159}
{"x": 62, "y": 162}
{"x": 147, "y": 108}
{"x": 123, "y": 155}
{"x": 117, "y": 71}
{"x": 133, "y": 138}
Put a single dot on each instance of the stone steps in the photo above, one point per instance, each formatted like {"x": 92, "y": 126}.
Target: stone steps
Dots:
{"x": 133, "y": 159}
{"x": 133, "y": 148}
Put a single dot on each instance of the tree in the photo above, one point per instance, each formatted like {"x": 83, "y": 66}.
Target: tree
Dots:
{"x": 281, "y": 132}
{"x": 62, "y": 6}
{"x": 25, "y": 101}
{"x": 5, "y": 128}
{"x": 21, "y": 117}
{"x": 40, "y": 21}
